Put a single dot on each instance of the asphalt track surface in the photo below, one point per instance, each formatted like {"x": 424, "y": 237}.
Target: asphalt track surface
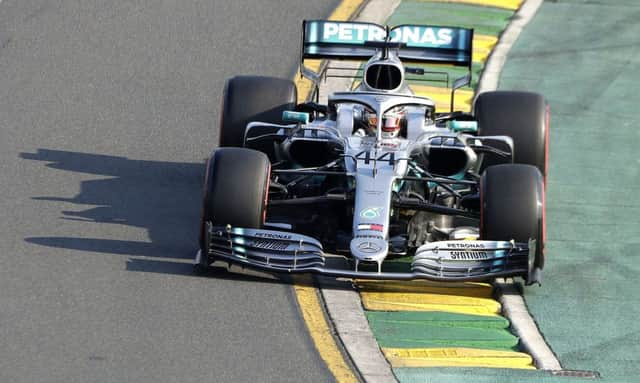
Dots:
{"x": 107, "y": 112}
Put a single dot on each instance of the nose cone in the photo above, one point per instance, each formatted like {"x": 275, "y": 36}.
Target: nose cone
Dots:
{"x": 370, "y": 249}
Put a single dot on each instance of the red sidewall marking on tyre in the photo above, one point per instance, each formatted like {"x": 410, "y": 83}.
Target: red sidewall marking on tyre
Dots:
{"x": 544, "y": 186}
{"x": 266, "y": 195}
{"x": 221, "y": 118}
{"x": 481, "y": 209}
{"x": 544, "y": 219}
{"x": 547, "y": 123}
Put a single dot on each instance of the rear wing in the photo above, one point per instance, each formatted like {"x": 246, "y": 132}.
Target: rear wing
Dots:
{"x": 419, "y": 43}
{"x": 428, "y": 44}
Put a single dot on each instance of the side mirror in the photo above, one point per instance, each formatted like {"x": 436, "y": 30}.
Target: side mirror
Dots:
{"x": 457, "y": 84}
{"x": 297, "y": 117}
{"x": 464, "y": 126}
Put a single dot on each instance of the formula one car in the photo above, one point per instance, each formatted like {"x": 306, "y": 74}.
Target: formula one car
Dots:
{"x": 375, "y": 177}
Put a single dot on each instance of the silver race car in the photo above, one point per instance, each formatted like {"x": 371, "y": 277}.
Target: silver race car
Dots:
{"x": 374, "y": 183}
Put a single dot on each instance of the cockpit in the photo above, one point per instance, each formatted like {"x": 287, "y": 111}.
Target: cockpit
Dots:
{"x": 395, "y": 116}
{"x": 394, "y": 122}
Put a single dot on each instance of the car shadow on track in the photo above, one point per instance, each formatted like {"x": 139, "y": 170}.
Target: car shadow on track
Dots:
{"x": 162, "y": 197}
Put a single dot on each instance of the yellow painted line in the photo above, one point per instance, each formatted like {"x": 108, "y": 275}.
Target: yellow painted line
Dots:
{"x": 471, "y": 289}
{"x": 442, "y": 97}
{"x": 320, "y": 332}
{"x": 457, "y": 357}
{"x": 451, "y": 303}
{"x": 464, "y": 298}
{"x": 505, "y": 4}
{"x": 344, "y": 11}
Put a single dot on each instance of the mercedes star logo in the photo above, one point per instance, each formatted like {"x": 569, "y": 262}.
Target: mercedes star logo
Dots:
{"x": 369, "y": 247}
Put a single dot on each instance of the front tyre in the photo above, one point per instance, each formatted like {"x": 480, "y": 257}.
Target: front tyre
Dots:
{"x": 235, "y": 191}
{"x": 513, "y": 206}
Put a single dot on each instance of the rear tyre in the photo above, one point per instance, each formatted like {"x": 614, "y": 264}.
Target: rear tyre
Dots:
{"x": 512, "y": 206}
{"x": 253, "y": 98}
{"x": 235, "y": 191}
{"x": 523, "y": 116}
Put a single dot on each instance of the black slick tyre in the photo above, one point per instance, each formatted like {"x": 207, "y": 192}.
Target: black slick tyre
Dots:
{"x": 235, "y": 190}
{"x": 523, "y": 116}
{"x": 512, "y": 206}
{"x": 253, "y": 98}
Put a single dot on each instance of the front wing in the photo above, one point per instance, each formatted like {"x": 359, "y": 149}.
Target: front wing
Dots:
{"x": 446, "y": 261}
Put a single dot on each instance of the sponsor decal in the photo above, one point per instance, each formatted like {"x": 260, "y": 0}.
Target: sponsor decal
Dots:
{"x": 370, "y": 226}
{"x": 418, "y": 36}
{"x": 371, "y": 212}
{"x": 466, "y": 245}
{"x": 273, "y": 235}
{"x": 369, "y": 247}
{"x": 270, "y": 244}
{"x": 368, "y": 236}
{"x": 469, "y": 255}
{"x": 352, "y": 32}
{"x": 392, "y": 144}
{"x": 415, "y": 35}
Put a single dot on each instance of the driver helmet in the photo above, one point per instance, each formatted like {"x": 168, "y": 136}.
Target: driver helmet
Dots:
{"x": 391, "y": 124}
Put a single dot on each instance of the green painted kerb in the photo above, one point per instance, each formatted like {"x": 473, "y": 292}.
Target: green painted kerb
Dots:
{"x": 428, "y": 335}
{"x": 434, "y": 318}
